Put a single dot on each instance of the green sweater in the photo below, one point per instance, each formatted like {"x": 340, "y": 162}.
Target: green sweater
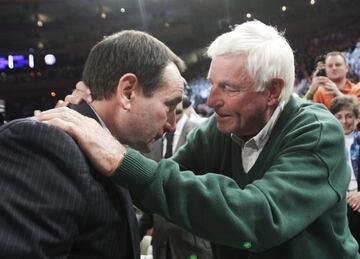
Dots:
{"x": 291, "y": 204}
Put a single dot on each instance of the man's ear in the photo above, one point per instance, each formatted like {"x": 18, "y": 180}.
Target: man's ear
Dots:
{"x": 127, "y": 88}
{"x": 275, "y": 88}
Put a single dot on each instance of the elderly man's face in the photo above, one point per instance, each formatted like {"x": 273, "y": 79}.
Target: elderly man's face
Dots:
{"x": 239, "y": 109}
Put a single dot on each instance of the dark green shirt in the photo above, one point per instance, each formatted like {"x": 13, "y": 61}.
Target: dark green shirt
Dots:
{"x": 291, "y": 204}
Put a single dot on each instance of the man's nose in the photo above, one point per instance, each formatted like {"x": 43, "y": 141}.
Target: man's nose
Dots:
{"x": 170, "y": 125}
{"x": 214, "y": 99}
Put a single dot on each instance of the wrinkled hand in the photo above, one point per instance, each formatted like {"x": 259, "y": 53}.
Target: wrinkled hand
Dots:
{"x": 102, "y": 149}
{"x": 80, "y": 93}
{"x": 353, "y": 199}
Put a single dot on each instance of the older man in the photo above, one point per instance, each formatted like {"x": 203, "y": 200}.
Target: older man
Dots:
{"x": 265, "y": 177}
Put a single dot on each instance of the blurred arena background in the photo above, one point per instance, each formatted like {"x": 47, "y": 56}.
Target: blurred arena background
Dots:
{"x": 44, "y": 43}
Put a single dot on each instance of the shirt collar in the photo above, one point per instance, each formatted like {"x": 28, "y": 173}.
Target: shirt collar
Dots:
{"x": 180, "y": 124}
{"x": 102, "y": 123}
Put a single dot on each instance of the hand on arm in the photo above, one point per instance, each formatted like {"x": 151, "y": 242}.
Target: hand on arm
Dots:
{"x": 103, "y": 150}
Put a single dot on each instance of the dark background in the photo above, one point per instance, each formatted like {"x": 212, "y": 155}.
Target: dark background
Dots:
{"x": 71, "y": 27}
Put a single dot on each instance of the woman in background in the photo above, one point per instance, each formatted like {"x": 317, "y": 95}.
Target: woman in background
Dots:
{"x": 346, "y": 110}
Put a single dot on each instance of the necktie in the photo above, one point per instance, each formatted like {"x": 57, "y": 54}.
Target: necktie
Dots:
{"x": 169, "y": 141}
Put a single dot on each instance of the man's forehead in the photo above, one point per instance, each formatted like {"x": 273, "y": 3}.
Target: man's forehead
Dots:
{"x": 172, "y": 90}
{"x": 335, "y": 59}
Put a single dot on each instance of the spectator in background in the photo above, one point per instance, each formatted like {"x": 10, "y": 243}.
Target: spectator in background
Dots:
{"x": 354, "y": 60}
{"x": 335, "y": 82}
{"x": 346, "y": 110}
{"x": 313, "y": 86}
{"x": 262, "y": 178}
{"x": 187, "y": 105}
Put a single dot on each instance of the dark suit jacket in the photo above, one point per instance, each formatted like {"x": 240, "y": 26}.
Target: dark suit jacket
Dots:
{"x": 53, "y": 204}
{"x": 169, "y": 240}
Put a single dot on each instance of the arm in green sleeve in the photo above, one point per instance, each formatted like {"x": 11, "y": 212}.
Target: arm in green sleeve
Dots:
{"x": 296, "y": 188}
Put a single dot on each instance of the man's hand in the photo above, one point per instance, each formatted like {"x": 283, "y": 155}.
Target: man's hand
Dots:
{"x": 332, "y": 88}
{"x": 328, "y": 85}
{"x": 80, "y": 93}
{"x": 102, "y": 149}
{"x": 315, "y": 83}
{"x": 353, "y": 200}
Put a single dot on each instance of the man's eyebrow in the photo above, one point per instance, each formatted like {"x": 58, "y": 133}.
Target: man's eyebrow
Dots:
{"x": 226, "y": 82}
{"x": 174, "y": 101}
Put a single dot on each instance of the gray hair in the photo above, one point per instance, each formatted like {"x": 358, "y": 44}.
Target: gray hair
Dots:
{"x": 268, "y": 53}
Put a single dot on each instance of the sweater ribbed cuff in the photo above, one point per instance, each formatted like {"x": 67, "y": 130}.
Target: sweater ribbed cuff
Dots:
{"x": 135, "y": 171}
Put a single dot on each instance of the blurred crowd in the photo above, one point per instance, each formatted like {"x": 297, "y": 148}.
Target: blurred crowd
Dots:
{"x": 345, "y": 40}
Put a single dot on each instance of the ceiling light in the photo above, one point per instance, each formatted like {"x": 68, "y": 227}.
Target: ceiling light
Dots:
{"x": 283, "y": 8}
{"x": 122, "y": 10}
{"x": 103, "y": 15}
{"x": 31, "y": 60}
{"x": 50, "y": 59}
{"x": 39, "y": 23}
{"x": 248, "y": 15}
{"x": 40, "y": 45}
{"x": 10, "y": 62}
{"x": 312, "y": 2}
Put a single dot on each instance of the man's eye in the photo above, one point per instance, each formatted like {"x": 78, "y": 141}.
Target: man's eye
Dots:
{"x": 171, "y": 107}
{"x": 229, "y": 88}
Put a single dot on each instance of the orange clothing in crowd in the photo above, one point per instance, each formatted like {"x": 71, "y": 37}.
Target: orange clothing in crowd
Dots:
{"x": 322, "y": 96}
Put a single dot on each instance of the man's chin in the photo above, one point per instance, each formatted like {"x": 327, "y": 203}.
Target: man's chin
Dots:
{"x": 222, "y": 128}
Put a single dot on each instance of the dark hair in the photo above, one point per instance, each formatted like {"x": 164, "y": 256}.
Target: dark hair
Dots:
{"x": 2, "y": 119}
{"x": 186, "y": 102}
{"x": 127, "y": 52}
{"x": 345, "y": 101}
{"x": 320, "y": 58}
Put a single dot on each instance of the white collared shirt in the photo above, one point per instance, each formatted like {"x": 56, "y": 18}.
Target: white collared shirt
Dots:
{"x": 179, "y": 127}
{"x": 251, "y": 149}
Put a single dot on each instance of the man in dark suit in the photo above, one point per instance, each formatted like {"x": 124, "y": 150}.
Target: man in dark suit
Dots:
{"x": 168, "y": 240}
{"x": 53, "y": 203}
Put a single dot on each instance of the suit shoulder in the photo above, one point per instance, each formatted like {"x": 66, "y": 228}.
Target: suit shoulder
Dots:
{"x": 34, "y": 134}
{"x": 28, "y": 127}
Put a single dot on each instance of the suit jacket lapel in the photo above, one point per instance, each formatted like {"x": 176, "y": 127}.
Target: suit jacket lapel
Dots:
{"x": 85, "y": 110}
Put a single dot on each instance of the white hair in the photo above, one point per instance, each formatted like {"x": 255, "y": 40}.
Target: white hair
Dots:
{"x": 268, "y": 53}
